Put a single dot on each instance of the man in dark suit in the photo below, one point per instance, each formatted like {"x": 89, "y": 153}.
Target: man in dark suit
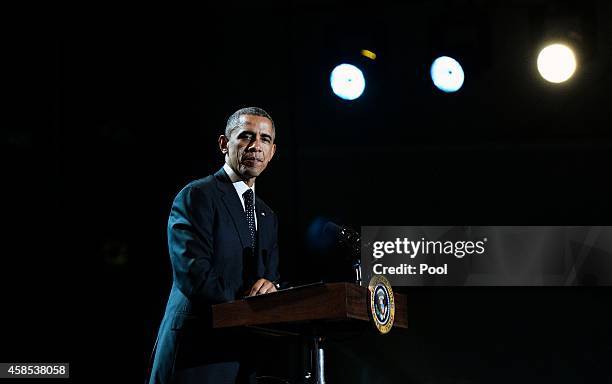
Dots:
{"x": 223, "y": 246}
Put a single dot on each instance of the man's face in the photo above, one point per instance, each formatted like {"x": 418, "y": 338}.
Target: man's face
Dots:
{"x": 250, "y": 146}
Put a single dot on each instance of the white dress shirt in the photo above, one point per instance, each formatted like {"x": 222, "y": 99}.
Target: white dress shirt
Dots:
{"x": 241, "y": 187}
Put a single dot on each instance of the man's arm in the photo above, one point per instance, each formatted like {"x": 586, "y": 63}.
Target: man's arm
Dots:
{"x": 190, "y": 242}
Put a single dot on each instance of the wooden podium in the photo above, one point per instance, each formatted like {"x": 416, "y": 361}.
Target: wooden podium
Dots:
{"x": 314, "y": 311}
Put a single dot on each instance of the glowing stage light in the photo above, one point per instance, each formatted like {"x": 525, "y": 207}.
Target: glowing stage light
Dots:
{"x": 369, "y": 54}
{"x": 556, "y": 63}
{"x": 447, "y": 74}
{"x": 347, "y": 81}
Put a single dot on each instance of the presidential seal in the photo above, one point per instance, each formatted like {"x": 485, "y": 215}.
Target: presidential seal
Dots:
{"x": 382, "y": 305}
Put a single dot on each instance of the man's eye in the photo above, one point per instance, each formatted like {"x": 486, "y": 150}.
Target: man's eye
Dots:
{"x": 266, "y": 140}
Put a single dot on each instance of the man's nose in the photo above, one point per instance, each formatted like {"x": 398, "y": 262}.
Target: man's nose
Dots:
{"x": 255, "y": 145}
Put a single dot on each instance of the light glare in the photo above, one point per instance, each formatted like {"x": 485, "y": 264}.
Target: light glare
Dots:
{"x": 447, "y": 74}
{"x": 556, "y": 63}
{"x": 347, "y": 81}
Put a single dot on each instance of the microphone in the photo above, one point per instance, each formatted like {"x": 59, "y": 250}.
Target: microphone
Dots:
{"x": 344, "y": 236}
{"x": 348, "y": 238}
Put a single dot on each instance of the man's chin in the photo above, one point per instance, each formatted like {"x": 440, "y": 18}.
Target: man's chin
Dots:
{"x": 249, "y": 172}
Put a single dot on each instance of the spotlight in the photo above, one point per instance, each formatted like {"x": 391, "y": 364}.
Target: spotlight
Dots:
{"x": 369, "y": 54}
{"x": 447, "y": 74}
{"x": 347, "y": 81}
{"x": 556, "y": 63}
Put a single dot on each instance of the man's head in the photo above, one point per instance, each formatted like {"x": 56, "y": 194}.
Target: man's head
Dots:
{"x": 248, "y": 142}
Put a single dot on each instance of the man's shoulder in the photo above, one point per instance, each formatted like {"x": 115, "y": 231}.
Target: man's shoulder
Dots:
{"x": 206, "y": 185}
{"x": 203, "y": 184}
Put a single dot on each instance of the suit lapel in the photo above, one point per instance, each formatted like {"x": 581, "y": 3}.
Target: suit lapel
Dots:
{"x": 263, "y": 223}
{"x": 265, "y": 233}
{"x": 234, "y": 206}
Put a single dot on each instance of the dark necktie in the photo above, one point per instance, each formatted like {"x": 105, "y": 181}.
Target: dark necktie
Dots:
{"x": 249, "y": 208}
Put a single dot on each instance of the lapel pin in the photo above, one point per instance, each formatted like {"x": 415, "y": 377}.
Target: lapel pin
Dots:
{"x": 263, "y": 213}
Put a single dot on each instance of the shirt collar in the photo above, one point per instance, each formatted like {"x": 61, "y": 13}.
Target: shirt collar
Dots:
{"x": 238, "y": 183}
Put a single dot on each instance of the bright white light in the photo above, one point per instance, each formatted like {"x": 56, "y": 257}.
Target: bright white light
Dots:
{"x": 447, "y": 74}
{"x": 347, "y": 81}
{"x": 556, "y": 63}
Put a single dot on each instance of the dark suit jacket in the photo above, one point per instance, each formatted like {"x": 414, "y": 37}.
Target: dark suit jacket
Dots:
{"x": 209, "y": 242}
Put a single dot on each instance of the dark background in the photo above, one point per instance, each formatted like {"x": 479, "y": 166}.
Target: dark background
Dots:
{"x": 112, "y": 110}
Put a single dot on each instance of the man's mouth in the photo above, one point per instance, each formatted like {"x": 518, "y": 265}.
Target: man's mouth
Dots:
{"x": 251, "y": 160}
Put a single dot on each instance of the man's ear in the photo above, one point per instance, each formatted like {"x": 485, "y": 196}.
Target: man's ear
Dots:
{"x": 223, "y": 140}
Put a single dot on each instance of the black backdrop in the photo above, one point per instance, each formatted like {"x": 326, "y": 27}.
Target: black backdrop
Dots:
{"x": 112, "y": 110}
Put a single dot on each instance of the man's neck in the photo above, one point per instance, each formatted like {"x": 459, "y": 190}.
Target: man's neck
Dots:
{"x": 234, "y": 176}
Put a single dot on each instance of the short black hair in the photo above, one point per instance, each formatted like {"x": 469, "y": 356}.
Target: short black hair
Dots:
{"x": 234, "y": 120}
